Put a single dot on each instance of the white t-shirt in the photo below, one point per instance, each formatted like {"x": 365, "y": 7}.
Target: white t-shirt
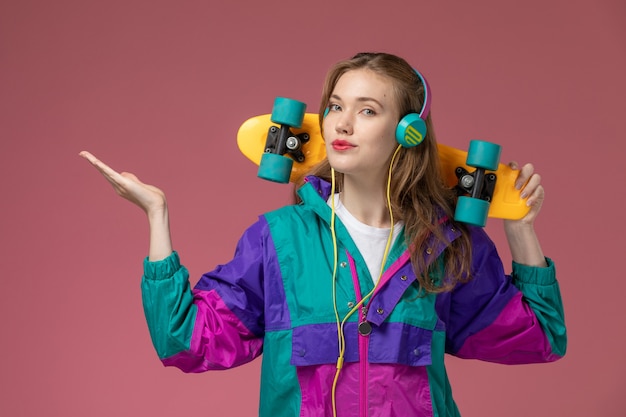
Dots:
{"x": 371, "y": 241}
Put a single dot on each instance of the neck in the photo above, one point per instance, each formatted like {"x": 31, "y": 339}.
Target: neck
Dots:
{"x": 366, "y": 202}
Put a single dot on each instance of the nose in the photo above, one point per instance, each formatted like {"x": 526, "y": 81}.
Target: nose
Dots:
{"x": 344, "y": 124}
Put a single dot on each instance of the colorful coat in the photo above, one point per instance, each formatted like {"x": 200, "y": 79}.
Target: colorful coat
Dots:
{"x": 275, "y": 298}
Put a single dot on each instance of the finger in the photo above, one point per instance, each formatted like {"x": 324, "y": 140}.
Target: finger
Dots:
{"x": 533, "y": 191}
{"x": 527, "y": 170}
{"x": 86, "y": 154}
{"x": 525, "y": 173}
{"x": 106, "y": 170}
{"x": 120, "y": 182}
{"x": 92, "y": 159}
{"x": 521, "y": 176}
{"x": 131, "y": 177}
{"x": 531, "y": 185}
{"x": 536, "y": 198}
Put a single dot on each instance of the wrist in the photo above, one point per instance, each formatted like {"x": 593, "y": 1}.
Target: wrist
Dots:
{"x": 157, "y": 212}
{"x": 524, "y": 244}
{"x": 518, "y": 227}
{"x": 160, "y": 239}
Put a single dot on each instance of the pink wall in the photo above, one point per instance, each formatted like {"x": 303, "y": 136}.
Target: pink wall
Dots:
{"x": 159, "y": 88}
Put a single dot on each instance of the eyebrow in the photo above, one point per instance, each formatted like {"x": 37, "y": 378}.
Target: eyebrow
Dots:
{"x": 360, "y": 99}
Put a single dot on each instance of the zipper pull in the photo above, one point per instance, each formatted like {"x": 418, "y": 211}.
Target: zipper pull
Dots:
{"x": 364, "y": 327}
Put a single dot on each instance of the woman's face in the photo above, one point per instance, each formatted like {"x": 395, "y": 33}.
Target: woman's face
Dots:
{"x": 359, "y": 128}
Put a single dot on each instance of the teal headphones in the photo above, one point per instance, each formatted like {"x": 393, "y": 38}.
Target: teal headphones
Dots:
{"x": 411, "y": 129}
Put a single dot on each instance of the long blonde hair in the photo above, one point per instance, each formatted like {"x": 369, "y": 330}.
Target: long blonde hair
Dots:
{"x": 419, "y": 196}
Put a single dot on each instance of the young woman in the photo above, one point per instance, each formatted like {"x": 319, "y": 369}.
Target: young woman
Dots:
{"x": 355, "y": 293}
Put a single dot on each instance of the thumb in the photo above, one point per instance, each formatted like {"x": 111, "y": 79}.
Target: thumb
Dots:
{"x": 131, "y": 177}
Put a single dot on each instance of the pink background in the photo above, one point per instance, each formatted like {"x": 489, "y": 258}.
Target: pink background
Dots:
{"x": 159, "y": 88}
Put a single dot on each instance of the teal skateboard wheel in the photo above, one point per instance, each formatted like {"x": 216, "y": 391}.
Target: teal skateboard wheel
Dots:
{"x": 472, "y": 211}
{"x": 274, "y": 167}
{"x": 288, "y": 112}
{"x": 485, "y": 155}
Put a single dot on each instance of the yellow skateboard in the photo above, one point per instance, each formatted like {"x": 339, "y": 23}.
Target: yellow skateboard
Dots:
{"x": 287, "y": 143}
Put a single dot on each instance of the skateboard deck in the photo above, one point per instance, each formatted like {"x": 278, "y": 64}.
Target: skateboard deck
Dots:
{"x": 252, "y": 136}
{"x": 504, "y": 202}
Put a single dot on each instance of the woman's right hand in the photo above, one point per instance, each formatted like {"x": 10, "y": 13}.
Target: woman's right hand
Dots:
{"x": 148, "y": 197}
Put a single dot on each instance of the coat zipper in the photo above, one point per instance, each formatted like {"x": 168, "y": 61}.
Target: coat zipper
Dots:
{"x": 364, "y": 365}
{"x": 363, "y": 343}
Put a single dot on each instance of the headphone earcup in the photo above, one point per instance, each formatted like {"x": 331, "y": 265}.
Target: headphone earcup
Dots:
{"x": 411, "y": 130}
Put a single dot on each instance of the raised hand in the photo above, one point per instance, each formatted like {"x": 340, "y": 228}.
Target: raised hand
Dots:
{"x": 521, "y": 236}
{"x": 529, "y": 183}
{"x": 148, "y": 197}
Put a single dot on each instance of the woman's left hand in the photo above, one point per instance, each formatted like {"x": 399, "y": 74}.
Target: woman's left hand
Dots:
{"x": 523, "y": 241}
{"x": 529, "y": 184}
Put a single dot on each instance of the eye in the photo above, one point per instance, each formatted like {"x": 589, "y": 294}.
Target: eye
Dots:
{"x": 369, "y": 112}
{"x": 334, "y": 107}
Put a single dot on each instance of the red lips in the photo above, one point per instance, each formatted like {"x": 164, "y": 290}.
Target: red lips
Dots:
{"x": 341, "y": 145}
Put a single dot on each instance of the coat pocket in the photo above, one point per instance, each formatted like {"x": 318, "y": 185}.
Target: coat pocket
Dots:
{"x": 402, "y": 344}
{"x": 318, "y": 344}
{"x": 406, "y": 333}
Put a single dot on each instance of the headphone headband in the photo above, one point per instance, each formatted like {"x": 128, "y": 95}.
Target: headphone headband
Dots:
{"x": 411, "y": 129}
{"x": 426, "y": 106}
